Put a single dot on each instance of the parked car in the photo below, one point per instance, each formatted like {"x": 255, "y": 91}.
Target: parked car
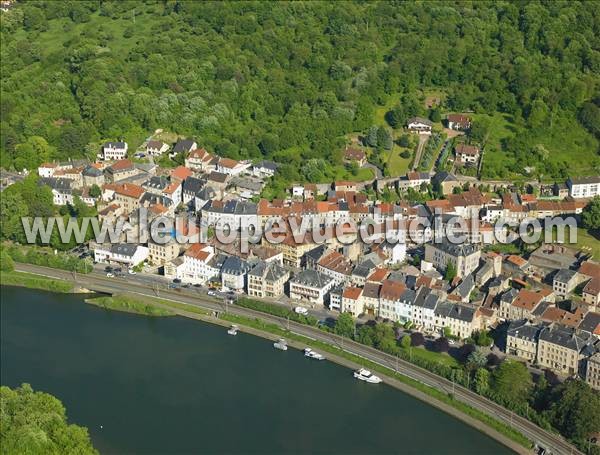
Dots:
{"x": 176, "y": 280}
{"x": 110, "y": 275}
{"x": 301, "y": 310}
{"x": 211, "y": 293}
{"x": 108, "y": 268}
{"x": 131, "y": 272}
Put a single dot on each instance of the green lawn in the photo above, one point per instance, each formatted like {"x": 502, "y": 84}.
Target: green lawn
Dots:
{"x": 589, "y": 241}
{"x": 363, "y": 174}
{"x": 398, "y": 165}
{"x": 431, "y": 356}
{"x": 566, "y": 141}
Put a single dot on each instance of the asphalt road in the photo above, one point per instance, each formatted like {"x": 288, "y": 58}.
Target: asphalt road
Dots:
{"x": 99, "y": 282}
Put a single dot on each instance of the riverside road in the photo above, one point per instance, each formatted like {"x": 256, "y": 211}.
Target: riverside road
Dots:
{"x": 97, "y": 281}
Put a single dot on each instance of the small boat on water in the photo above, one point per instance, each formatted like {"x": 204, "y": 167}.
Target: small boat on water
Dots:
{"x": 233, "y": 330}
{"x": 308, "y": 352}
{"x": 367, "y": 376}
{"x": 280, "y": 344}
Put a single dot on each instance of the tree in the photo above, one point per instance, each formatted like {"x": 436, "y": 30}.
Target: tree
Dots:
{"x": 483, "y": 338}
{"x": 344, "y": 325}
{"x": 36, "y": 423}
{"x": 450, "y": 272}
{"x": 404, "y": 141}
{"x": 435, "y": 116}
{"x": 371, "y": 138}
{"x": 575, "y": 410}
{"x": 417, "y": 339}
{"x": 406, "y": 342}
{"x": 477, "y": 359}
{"x": 447, "y": 332}
{"x": 493, "y": 360}
{"x": 591, "y": 214}
{"x": 6, "y": 262}
{"x": 384, "y": 138}
{"x": 95, "y": 191}
{"x": 441, "y": 345}
{"x": 482, "y": 381}
{"x": 465, "y": 351}
{"x": 511, "y": 382}
{"x": 364, "y": 335}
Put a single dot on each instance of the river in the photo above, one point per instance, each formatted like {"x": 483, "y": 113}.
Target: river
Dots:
{"x": 174, "y": 385}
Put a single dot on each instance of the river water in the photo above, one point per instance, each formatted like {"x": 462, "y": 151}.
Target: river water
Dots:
{"x": 174, "y": 385}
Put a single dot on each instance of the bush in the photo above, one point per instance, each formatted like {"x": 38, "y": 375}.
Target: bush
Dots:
{"x": 405, "y": 154}
{"x": 441, "y": 345}
{"x": 276, "y": 310}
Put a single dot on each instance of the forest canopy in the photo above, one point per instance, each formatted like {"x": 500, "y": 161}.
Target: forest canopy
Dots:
{"x": 290, "y": 81}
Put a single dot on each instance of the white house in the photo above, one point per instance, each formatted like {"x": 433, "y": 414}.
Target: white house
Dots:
{"x": 419, "y": 125}
{"x": 311, "y": 285}
{"x": 114, "y": 150}
{"x": 233, "y": 273}
{"x": 264, "y": 169}
{"x": 62, "y": 191}
{"x": 47, "y": 169}
{"x": 584, "y": 187}
{"x": 352, "y": 301}
{"x": 198, "y": 265}
{"x": 231, "y": 167}
{"x": 156, "y": 148}
{"x": 122, "y": 253}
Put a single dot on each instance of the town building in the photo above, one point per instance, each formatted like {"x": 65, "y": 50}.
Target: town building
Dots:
{"x": 120, "y": 253}
{"x": 120, "y": 170}
{"x": 114, "y": 151}
{"x": 466, "y": 154}
{"x": 592, "y": 374}
{"x": 591, "y": 293}
{"x": 458, "y": 122}
{"x": 184, "y": 146}
{"x": 564, "y": 282}
{"x": 163, "y": 252}
{"x": 419, "y": 125}
{"x": 584, "y": 187}
{"x": 267, "y": 279}
{"x": 233, "y": 273}
{"x": 352, "y": 301}
{"x": 465, "y": 257}
{"x": 156, "y": 148}
{"x": 311, "y": 285}
{"x": 352, "y": 155}
{"x": 561, "y": 349}
{"x": 522, "y": 339}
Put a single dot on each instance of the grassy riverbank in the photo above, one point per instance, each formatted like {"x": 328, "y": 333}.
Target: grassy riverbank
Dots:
{"x": 130, "y": 304}
{"x": 32, "y": 281}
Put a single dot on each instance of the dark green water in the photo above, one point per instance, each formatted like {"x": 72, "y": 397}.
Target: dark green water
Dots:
{"x": 172, "y": 385}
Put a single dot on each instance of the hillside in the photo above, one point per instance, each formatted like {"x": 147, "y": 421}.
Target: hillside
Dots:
{"x": 292, "y": 81}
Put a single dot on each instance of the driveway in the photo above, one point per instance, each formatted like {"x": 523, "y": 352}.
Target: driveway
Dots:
{"x": 422, "y": 141}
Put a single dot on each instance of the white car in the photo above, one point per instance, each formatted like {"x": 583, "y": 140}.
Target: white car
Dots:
{"x": 110, "y": 275}
{"x": 451, "y": 342}
{"x": 301, "y": 310}
{"x": 211, "y": 293}
{"x": 131, "y": 272}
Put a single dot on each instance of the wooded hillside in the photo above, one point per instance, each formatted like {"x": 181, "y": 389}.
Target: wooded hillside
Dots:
{"x": 290, "y": 81}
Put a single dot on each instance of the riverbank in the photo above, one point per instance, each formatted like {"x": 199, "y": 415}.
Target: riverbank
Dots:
{"x": 32, "y": 281}
{"x": 129, "y": 304}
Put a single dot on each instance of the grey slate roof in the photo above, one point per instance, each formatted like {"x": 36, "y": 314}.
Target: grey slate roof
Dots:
{"x": 523, "y": 330}
{"x": 149, "y": 198}
{"x": 124, "y": 249}
{"x": 460, "y": 249}
{"x": 184, "y": 145}
{"x": 312, "y": 278}
{"x": 156, "y": 182}
{"x": 269, "y": 271}
{"x": 91, "y": 171}
{"x": 466, "y": 286}
{"x": 192, "y": 185}
{"x": 456, "y": 311}
{"x": 233, "y": 265}
{"x": 565, "y": 337}
{"x": 564, "y": 275}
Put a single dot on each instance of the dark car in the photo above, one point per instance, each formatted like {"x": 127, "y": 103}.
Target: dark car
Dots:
{"x": 176, "y": 280}
{"x": 108, "y": 268}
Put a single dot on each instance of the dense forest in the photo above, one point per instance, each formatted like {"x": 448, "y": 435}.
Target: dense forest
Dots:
{"x": 291, "y": 81}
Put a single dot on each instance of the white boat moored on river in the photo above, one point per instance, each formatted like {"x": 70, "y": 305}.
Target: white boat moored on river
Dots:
{"x": 308, "y": 352}
{"x": 367, "y": 376}
{"x": 280, "y": 344}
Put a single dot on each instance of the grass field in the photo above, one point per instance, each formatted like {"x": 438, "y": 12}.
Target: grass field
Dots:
{"x": 398, "y": 165}
{"x": 431, "y": 356}
{"x": 566, "y": 141}
{"x": 129, "y": 304}
{"x": 589, "y": 241}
